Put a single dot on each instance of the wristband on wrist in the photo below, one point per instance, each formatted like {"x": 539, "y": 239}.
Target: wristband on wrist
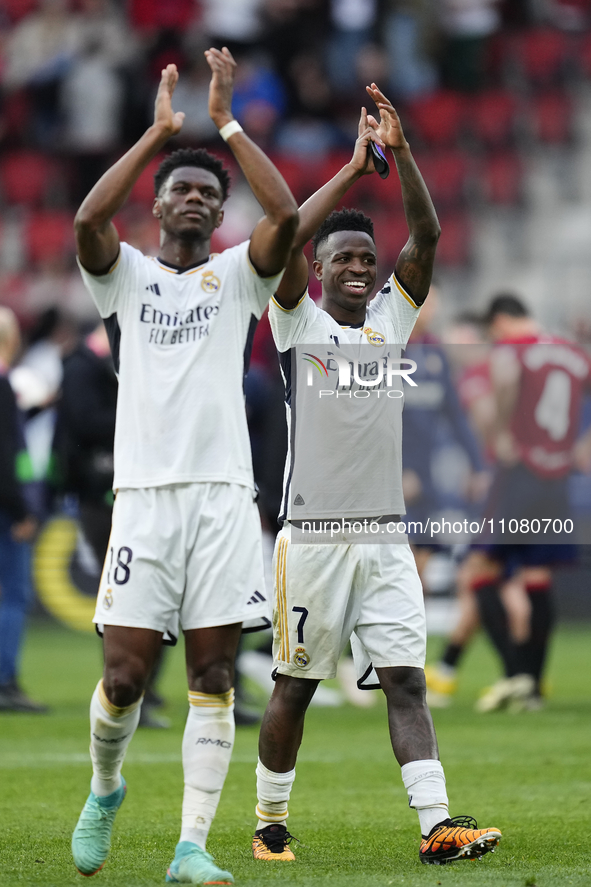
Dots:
{"x": 229, "y": 129}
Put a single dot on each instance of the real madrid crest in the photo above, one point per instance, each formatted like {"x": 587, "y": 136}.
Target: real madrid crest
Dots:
{"x": 209, "y": 282}
{"x": 300, "y": 657}
{"x": 374, "y": 338}
{"x": 108, "y": 599}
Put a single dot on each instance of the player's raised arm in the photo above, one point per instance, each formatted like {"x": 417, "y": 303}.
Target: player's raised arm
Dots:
{"x": 315, "y": 210}
{"x": 415, "y": 263}
{"x": 96, "y": 236}
{"x": 271, "y": 241}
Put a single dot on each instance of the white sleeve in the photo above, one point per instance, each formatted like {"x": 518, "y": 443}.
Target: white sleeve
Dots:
{"x": 107, "y": 290}
{"x": 291, "y": 326}
{"x": 255, "y": 289}
{"x": 394, "y": 301}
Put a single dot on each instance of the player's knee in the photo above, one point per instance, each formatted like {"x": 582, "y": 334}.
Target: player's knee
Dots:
{"x": 124, "y": 683}
{"x": 294, "y": 693}
{"x": 404, "y": 687}
{"x": 214, "y": 677}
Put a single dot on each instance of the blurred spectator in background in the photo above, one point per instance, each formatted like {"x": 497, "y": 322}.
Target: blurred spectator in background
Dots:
{"x": 92, "y": 91}
{"x": 37, "y": 382}
{"x": 39, "y": 52}
{"x": 103, "y": 23}
{"x": 467, "y": 26}
{"x": 53, "y": 282}
{"x": 352, "y": 27}
{"x": 293, "y": 27}
{"x": 85, "y": 434}
{"x": 191, "y": 95}
{"x": 309, "y": 132}
{"x": 17, "y": 529}
{"x": 409, "y": 32}
{"x": 91, "y": 101}
{"x": 52, "y": 335}
{"x": 236, "y": 24}
{"x": 259, "y": 98}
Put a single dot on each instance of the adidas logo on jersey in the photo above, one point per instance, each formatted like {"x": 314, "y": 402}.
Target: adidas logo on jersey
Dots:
{"x": 298, "y": 500}
{"x": 154, "y": 288}
{"x": 256, "y": 598}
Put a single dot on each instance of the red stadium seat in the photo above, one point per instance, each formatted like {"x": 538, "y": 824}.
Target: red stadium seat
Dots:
{"x": 583, "y": 55}
{"x": 383, "y": 192}
{"x": 330, "y": 167}
{"x": 501, "y": 178}
{"x": 391, "y": 233}
{"x": 455, "y": 243}
{"x": 446, "y": 174}
{"x": 552, "y": 117}
{"x": 49, "y": 235}
{"x": 542, "y": 54}
{"x": 143, "y": 190}
{"x": 25, "y": 177}
{"x": 493, "y": 118}
{"x": 333, "y": 163}
{"x": 368, "y": 190}
{"x": 439, "y": 119}
{"x": 302, "y": 177}
{"x": 17, "y": 9}
{"x": 498, "y": 51}
{"x": 153, "y": 15}
{"x": 16, "y": 114}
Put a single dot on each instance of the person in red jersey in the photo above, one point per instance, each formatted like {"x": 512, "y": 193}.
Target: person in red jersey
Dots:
{"x": 539, "y": 381}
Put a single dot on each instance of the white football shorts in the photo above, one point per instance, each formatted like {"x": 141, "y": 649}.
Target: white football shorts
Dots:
{"x": 327, "y": 594}
{"x": 185, "y": 555}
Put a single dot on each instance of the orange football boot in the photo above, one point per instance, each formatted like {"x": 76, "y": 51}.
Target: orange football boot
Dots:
{"x": 457, "y": 838}
{"x": 272, "y": 842}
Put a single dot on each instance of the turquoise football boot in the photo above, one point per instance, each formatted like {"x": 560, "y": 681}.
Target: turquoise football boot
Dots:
{"x": 91, "y": 840}
{"x": 192, "y": 865}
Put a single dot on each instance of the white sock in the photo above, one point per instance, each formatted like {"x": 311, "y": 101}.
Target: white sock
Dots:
{"x": 111, "y": 729}
{"x": 273, "y": 791}
{"x": 425, "y": 784}
{"x": 207, "y": 749}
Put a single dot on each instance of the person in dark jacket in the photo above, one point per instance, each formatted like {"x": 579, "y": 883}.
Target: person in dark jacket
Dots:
{"x": 85, "y": 435}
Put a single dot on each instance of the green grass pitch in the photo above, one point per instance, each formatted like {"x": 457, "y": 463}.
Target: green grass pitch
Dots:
{"x": 528, "y": 774}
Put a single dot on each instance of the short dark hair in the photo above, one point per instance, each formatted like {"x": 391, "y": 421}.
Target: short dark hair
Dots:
{"x": 192, "y": 157}
{"x": 342, "y": 220}
{"x": 505, "y": 303}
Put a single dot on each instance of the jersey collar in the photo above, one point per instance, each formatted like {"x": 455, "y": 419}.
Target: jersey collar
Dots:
{"x": 175, "y": 269}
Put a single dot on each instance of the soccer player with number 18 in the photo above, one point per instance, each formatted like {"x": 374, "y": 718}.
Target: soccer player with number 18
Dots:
{"x": 186, "y": 543}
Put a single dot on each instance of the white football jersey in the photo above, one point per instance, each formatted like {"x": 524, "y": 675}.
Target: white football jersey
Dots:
{"x": 181, "y": 343}
{"x": 345, "y": 441}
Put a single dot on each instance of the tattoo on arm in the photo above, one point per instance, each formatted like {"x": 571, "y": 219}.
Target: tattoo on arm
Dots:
{"x": 415, "y": 263}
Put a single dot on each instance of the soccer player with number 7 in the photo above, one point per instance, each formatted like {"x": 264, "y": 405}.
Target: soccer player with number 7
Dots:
{"x": 367, "y": 591}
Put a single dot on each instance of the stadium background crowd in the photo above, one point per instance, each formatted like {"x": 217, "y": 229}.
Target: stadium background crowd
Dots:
{"x": 495, "y": 98}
